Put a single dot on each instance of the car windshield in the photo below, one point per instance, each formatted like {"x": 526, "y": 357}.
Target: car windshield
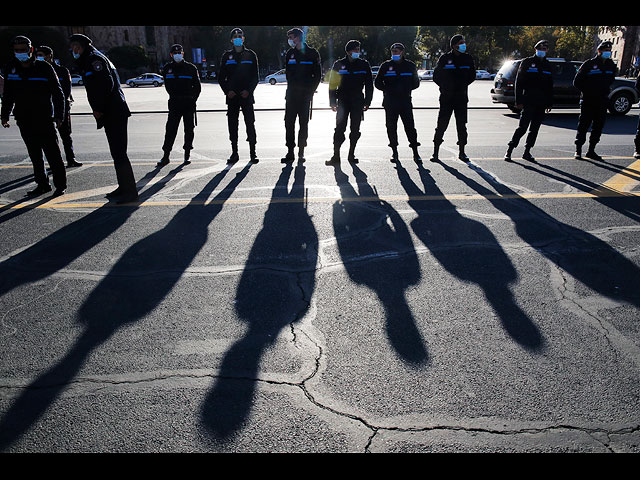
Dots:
{"x": 508, "y": 70}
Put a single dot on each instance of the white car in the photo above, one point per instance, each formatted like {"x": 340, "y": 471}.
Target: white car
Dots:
{"x": 484, "y": 75}
{"x": 278, "y": 77}
{"x": 146, "y": 79}
{"x": 425, "y": 74}
{"x": 76, "y": 80}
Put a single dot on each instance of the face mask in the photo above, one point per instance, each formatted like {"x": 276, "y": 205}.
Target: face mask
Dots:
{"x": 541, "y": 53}
{"x": 177, "y": 57}
{"x": 355, "y": 54}
{"x": 291, "y": 43}
{"x": 237, "y": 42}
{"x": 23, "y": 57}
{"x": 396, "y": 57}
{"x": 40, "y": 58}
{"x": 462, "y": 48}
{"x": 606, "y": 54}
{"x": 75, "y": 55}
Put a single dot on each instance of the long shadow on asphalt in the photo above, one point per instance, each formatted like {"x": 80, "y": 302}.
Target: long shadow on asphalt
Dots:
{"x": 467, "y": 249}
{"x": 614, "y": 124}
{"x": 274, "y": 292}
{"x": 584, "y": 256}
{"x": 377, "y": 251}
{"x": 135, "y": 285}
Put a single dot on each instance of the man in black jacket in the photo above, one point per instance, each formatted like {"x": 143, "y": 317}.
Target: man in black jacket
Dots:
{"x": 304, "y": 73}
{"x": 397, "y": 78}
{"x": 534, "y": 96}
{"x": 33, "y": 92}
{"x": 238, "y": 77}
{"x": 46, "y": 53}
{"x": 182, "y": 82}
{"x": 110, "y": 109}
{"x": 454, "y": 72}
{"x": 348, "y": 77}
{"x": 594, "y": 79}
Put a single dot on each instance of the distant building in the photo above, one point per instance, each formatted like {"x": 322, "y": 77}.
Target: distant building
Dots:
{"x": 625, "y": 51}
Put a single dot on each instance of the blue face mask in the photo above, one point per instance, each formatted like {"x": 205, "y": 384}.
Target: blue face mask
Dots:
{"x": 237, "y": 42}
{"x": 177, "y": 57}
{"x": 75, "y": 55}
{"x": 23, "y": 57}
{"x": 606, "y": 54}
{"x": 462, "y": 48}
{"x": 541, "y": 53}
{"x": 355, "y": 54}
{"x": 396, "y": 57}
{"x": 40, "y": 58}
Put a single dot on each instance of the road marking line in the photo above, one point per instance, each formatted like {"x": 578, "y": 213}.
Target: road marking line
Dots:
{"x": 625, "y": 181}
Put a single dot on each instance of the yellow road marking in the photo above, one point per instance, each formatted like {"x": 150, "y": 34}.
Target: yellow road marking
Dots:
{"x": 625, "y": 181}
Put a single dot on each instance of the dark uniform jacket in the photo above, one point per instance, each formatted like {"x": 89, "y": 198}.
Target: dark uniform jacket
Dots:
{"x": 347, "y": 80}
{"x": 182, "y": 83}
{"x": 64, "y": 77}
{"x": 534, "y": 82}
{"x": 453, "y": 73}
{"x": 32, "y": 92}
{"x": 594, "y": 78}
{"x": 303, "y": 70}
{"x": 239, "y": 71}
{"x": 102, "y": 84}
{"x": 397, "y": 80}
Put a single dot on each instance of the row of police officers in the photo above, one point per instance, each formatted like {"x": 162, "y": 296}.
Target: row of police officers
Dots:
{"x": 39, "y": 93}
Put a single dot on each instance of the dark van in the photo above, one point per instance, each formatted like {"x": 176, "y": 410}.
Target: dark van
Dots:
{"x": 622, "y": 96}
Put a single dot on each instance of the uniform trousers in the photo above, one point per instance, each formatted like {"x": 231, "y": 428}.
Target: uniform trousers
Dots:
{"x": 531, "y": 117}
{"x": 346, "y": 111}
{"x": 65, "y": 134}
{"x": 115, "y": 128}
{"x": 40, "y": 136}
{"x": 177, "y": 112}
{"x": 452, "y": 105}
{"x": 234, "y": 106}
{"x": 592, "y": 114}
{"x": 404, "y": 110}
{"x": 298, "y": 105}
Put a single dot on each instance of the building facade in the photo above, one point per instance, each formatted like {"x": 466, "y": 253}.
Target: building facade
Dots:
{"x": 625, "y": 51}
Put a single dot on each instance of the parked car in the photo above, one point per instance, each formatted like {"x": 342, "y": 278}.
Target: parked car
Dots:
{"x": 146, "y": 79}
{"x": 76, "y": 80}
{"x": 278, "y": 77}
{"x": 425, "y": 74}
{"x": 484, "y": 75}
{"x": 621, "y": 97}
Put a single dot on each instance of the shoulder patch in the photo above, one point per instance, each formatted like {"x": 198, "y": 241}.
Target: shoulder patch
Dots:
{"x": 97, "y": 66}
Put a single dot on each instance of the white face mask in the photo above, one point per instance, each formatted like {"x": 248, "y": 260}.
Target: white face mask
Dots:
{"x": 177, "y": 57}
{"x": 291, "y": 43}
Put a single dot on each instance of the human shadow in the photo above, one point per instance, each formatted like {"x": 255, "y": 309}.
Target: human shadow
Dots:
{"x": 16, "y": 183}
{"x": 135, "y": 286}
{"x": 467, "y": 249}
{"x": 618, "y": 201}
{"x": 273, "y": 292}
{"x": 614, "y": 124}
{"x": 584, "y": 256}
{"x": 377, "y": 251}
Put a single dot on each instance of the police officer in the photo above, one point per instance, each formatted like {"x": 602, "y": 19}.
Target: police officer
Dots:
{"x": 44, "y": 53}
{"x": 397, "y": 78}
{"x": 454, "y": 73}
{"x": 110, "y": 109}
{"x": 238, "y": 78}
{"x": 347, "y": 78}
{"x": 33, "y": 92}
{"x": 304, "y": 73}
{"x": 594, "y": 79}
{"x": 534, "y": 96}
{"x": 182, "y": 82}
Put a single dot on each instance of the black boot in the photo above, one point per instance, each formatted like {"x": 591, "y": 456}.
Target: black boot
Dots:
{"x": 335, "y": 159}
{"x": 289, "y": 157}
{"x": 436, "y": 149}
{"x": 591, "y": 153}
{"x": 187, "y": 154}
{"x": 71, "y": 162}
{"x": 301, "y": 158}
{"x": 352, "y": 153}
{"x": 461, "y": 155}
{"x": 394, "y": 155}
{"x": 164, "y": 160}
{"x": 578, "y": 154}
{"x": 527, "y": 155}
{"x": 416, "y": 156}
{"x": 234, "y": 154}
{"x": 252, "y": 153}
{"x": 507, "y": 155}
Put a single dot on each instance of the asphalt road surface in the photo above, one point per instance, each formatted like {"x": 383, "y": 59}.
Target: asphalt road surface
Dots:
{"x": 448, "y": 307}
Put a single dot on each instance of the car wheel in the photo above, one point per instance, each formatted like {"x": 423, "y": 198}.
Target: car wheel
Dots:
{"x": 155, "y": 84}
{"x": 80, "y": 82}
{"x": 272, "y": 81}
{"x": 620, "y": 103}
